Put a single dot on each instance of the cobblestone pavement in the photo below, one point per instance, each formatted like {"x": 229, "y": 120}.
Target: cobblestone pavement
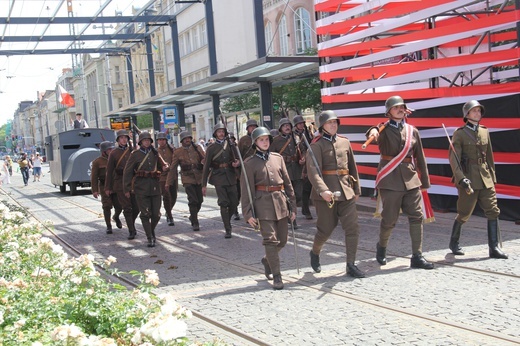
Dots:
{"x": 467, "y": 300}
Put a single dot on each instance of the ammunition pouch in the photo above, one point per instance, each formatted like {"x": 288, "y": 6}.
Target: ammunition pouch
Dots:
{"x": 148, "y": 174}
{"x": 192, "y": 166}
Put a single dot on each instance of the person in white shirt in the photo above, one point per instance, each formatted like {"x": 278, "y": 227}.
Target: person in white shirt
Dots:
{"x": 80, "y": 123}
{"x": 37, "y": 167}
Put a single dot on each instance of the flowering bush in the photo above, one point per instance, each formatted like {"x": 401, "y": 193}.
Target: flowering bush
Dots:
{"x": 50, "y": 298}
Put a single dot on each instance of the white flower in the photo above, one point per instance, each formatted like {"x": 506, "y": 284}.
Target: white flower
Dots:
{"x": 19, "y": 324}
{"x": 36, "y": 343}
{"x": 89, "y": 292}
{"x": 41, "y": 272}
{"x": 151, "y": 277}
{"x": 65, "y": 332}
{"x": 1, "y": 317}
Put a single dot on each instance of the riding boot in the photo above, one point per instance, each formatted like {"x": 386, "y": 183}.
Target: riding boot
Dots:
{"x": 454, "y": 240}
{"x": 381, "y": 254}
{"x": 116, "y": 218}
{"x": 131, "y": 225}
{"x": 153, "y": 238}
{"x": 267, "y": 270}
{"x": 271, "y": 253}
{"x": 193, "y": 217}
{"x": 106, "y": 215}
{"x": 353, "y": 271}
{"x": 494, "y": 239}
{"x": 315, "y": 262}
{"x": 226, "y": 219}
{"x": 148, "y": 230}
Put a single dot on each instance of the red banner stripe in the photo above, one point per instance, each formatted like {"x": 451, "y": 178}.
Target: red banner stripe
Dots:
{"x": 502, "y": 123}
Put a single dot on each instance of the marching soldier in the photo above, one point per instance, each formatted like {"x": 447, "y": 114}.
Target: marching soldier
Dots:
{"x": 97, "y": 181}
{"x": 244, "y": 143}
{"x": 333, "y": 173}
{"x": 190, "y": 158}
{"x": 472, "y": 145}
{"x": 402, "y": 173}
{"x": 270, "y": 184}
{"x": 285, "y": 144}
{"x": 114, "y": 180}
{"x": 233, "y": 142}
{"x": 141, "y": 177}
{"x": 301, "y": 130}
{"x": 169, "y": 194}
{"x": 221, "y": 160}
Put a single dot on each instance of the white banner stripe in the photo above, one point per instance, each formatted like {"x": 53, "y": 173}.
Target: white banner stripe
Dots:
{"x": 362, "y": 8}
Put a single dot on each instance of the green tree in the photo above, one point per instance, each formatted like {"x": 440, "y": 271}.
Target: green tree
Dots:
{"x": 241, "y": 102}
{"x": 298, "y": 96}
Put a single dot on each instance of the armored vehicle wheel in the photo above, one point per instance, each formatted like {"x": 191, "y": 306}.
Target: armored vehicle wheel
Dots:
{"x": 73, "y": 189}
{"x": 63, "y": 188}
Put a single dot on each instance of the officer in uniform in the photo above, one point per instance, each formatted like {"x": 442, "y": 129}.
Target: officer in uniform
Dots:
{"x": 402, "y": 173}
{"x": 301, "y": 130}
{"x": 114, "y": 180}
{"x": 244, "y": 143}
{"x": 333, "y": 173}
{"x": 221, "y": 160}
{"x": 141, "y": 177}
{"x": 190, "y": 158}
{"x": 233, "y": 142}
{"x": 286, "y": 145}
{"x": 169, "y": 195}
{"x": 472, "y": 145}
{"x": 270, "y": 186}
{"x": 97, "y": 182}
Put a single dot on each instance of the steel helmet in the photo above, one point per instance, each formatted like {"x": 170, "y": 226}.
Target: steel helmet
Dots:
{"x": 274, "y": 132}
{"x": 145, "y": 135}
{"x": 122, "y": 133}
{"x": 185, "y": 134}
{"x": 217, "y": 127}
{"x": 298, "y": 119}
{"x": 251, "y": 122}
{"x": 394, "y": 101}
{"x": 470, "y": 105}
{"x": 282, "y": 122}
{"x": 162, "y": 135}
{"x": 326, "y": 116}
{"x": 104, "y": 146}
{"x": 258, "y": 132}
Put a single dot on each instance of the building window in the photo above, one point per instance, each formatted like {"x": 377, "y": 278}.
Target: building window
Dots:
{"x": 282, "y": 36}
{"x": 302, "y": 28}
{"x": 269, "y": 48}
{"x": 117, "y": 72}
{"x": 120, "y": 102}
{"x": 203, "y": 34}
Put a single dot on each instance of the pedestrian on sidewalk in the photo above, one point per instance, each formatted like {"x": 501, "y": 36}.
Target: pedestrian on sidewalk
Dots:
{"x": 333, "y": 173}
{"x": 141, "y": 177}
{"x": 273, "y": 204}
{"x": 24, "y": 165}
{"x": 402, "y": 173}
{"x": 169, "y": 195}
{"x": 476, "y": 169}
{"x": 97, "y": 182}
{"x": 190, "y": 158}
{"x": 9, "y": 162}
{"x": 37, "y": 167}
{"x": 221, "y": 161}
{"x": 5, "y": 178}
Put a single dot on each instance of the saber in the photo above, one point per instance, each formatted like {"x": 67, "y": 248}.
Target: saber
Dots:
{"x": 331, "y": 203}
{"x": 468, "y": 190}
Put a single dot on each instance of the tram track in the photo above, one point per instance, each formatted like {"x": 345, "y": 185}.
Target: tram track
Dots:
{"x": 299, "y": 281}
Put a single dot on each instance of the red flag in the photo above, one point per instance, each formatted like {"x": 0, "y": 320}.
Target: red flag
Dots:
{"x": 65, "y": 98}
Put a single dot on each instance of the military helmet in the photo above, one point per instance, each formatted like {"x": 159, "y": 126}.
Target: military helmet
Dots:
{"x": 298, "y": 119}
{"x": 185, "y": 134}
{"x": 470, "y": 105}
{"x": 217, "y": 127}
{"x": 394, "y": 101}
{"x": 258, "y": 132}
{"x": 274, "y": 132}
{"x": 145, "y": 135}
{"x": 162, "y": 135}
{"x": 326, "y": 116}
{"x": 104, "y": 146}
{"x": 282, "y": 122}
{"x": 122, "y": 133}
{"x": 251, "y": 122}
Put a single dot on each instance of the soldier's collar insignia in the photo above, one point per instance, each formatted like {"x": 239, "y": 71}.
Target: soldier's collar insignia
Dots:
{"x": 472, "y": 127}
{"x": 329, "y": 137}
{"x": 263, "y": 155}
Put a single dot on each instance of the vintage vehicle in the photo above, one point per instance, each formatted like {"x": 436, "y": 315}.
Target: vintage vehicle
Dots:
{"x": 70, "y": 155}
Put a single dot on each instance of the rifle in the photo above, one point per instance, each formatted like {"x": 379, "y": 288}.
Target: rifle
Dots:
{"x": 468, "y": 189}
{"x": 369, "y": 140}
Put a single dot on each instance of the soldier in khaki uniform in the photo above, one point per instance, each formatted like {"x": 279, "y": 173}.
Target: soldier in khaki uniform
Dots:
{"x": 221, "y": 161}
{"x": 402, "y": 173}
{"x": 141, "y": 177}
{"x": 285, "y": 144}
{"x": 190, "y": 158}
{"x": 114, "y": 180}
{"x": 472, "y": 145}
{"x": 301, "y": 130}
{"x": 244, "y": 143}
{"x": 97, "y": 182}
{"x": 270, "y": 186}
{"x": 333, "y": 173}
{"x": 169, "y": 195}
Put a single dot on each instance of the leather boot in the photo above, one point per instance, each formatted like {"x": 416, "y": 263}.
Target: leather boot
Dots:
{"x": 106, "y": 215}
{"x": 148, "y": 230}
{"x": 153, "y": 239}
{"x": 315, "y": 262}
{"x": 454, "y": 240}
{"x": 117, "y": 221}
{"x": 278, "y": 283}
{"x": 131, "y": 225}
{"x": 418, "y": 261}
{"x": 267, "y": 269}
{"x": 381, "y": 254}
{"x": 295, "y": 225}
{"x": 226, "y": 219}
{"x": 493, "y": 240}
{"x": 353, "y": 271}
{"x": 194, "y": 210}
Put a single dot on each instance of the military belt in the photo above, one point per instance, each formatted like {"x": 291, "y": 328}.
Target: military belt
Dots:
{"x": 148, "y": 174}
{"x": 269, "y": 188}
{"x": 219, "y": 165}
{"x": 478, "y": 161}
{"x": 289, "y": 159}
{"x": 336, "y": 172}
{"x": 389, "y": 158}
